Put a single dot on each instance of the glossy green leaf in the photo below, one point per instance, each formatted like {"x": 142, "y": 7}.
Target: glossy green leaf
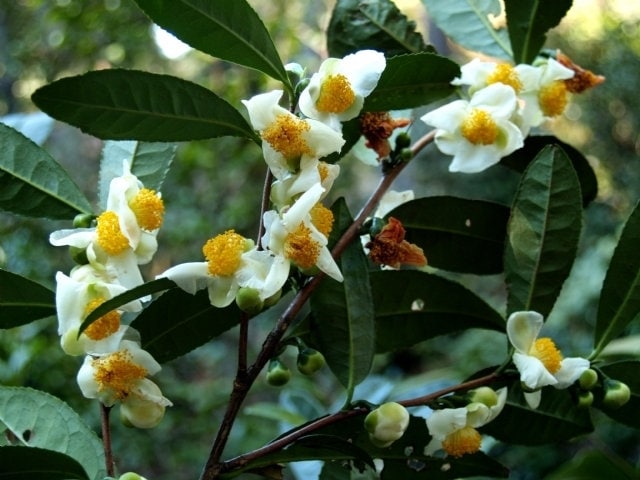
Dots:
{"x": 413, "y": 306}
{"x": 228, "y": 30}
{"x": 455, "y": 233}
{"x": 31, "y": 463}
{"x": 627, "y": 372}
{"x": 543, "y": 232}
{"x": 620, "y": 298}
{"x": 595, "y": 465}
{"x": 36, "y": 419}
{"x": 469, "y": 24}
{"x": 149, "y": 162}
{"x": 342, "y": 312}
{"x": 411, "y": 81}
{"x": 133, "y": 105}
{"x": 376, "y": 24}
{"x": 22, "y": 300}
{"x": 32, "y": 183}
{"x": 528, "y": 23}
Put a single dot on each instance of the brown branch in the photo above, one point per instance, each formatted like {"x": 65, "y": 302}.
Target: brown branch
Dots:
{"x": 106, "y": 439}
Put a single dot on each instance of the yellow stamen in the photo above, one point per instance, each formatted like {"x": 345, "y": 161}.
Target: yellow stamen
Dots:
{"x": 300, "y": 248}
{"x": 506, "y": 74}
{"x": 109, "y": 235}
{"x": 223, "y": 253}
{"x": 148, "y": 209}
{"x": 323, "y": 170}
{"x": 336, "y": 94}
{"x": 461, "y": 442}
{"x": 285, "y": 135}
{"x": 118, "y": 373}
{"x": 553, "y": 98}
{"x": 322, "y": 218}
{"x": 546, "y": 351}
{"x": 479, "y": 128}
{"x": 104, "y": 326}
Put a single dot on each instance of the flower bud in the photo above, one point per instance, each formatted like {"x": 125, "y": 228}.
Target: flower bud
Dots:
{"x": 585, "y": 399}
{"x": 616, "y": 393}
{"x": 403, "y": 140}
{"x": 588, "y": 379}
{"x": 82, "y": 220}
{"x": 310, "y": 361}
{"x": 141, "y": 413}
{"x": 249, "y": 301}
{"x": 386, "y": 424}
{"x": 278, "y": 374}
{"x": 484, "y": 395}
{"x": 131, "y": 476}
{"x": 406, "y": 154}
{"x": 295, "y": 72}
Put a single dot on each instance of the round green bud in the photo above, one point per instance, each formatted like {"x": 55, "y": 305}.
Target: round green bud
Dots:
{"x": 82, "y": 220}
{"x": 406, "y": 154}
{"x": 309, "y": 361}
{"x": 616, "y": 393}
{"x": 386, "y": 424}
{"x": 484, "y": 395}
{"x": 79, "y": 255}
{"x": 585, "y": 399}
{"x": 131, "y": 476}
{"x": 295, "y": 72}
{"x": 588, "y": 379}
{"x": 403, "y": 140}
{"x": 249, "y": 301}
{"x": 278, "y": 374}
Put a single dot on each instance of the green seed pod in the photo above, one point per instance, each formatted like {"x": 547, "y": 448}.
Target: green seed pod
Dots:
{"x": 310, "y": 361}
{"x": 249, "y": 301}
{"x": 585, "y": 399}
{"x": 616, "y": 393}
{"x": 588, "y": 379}
{"x": 386, "y": 424}
{"x": 403, "y": 140}
{"x": 278, "y": 374}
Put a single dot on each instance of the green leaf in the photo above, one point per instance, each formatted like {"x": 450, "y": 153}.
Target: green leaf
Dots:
{"x": 412, "y": 80}
{"x": 34, "y": 184}
{"x": 31, "y": 463}
{"x": 529, "y": 21}
{"x": 455, "y": 233}
{"x": 133, "y": 105}
{"x": 543, "y": 232}
{"x": 620, "y": 298}
{"x": 178, "y": 322}
{"x": 22, "y": 300}
{"x": 37, "y": 419}
{"x": 594, "y": 465}
{"x": 413, "y": 306}
{"x": 149, "y": 162}
{"x": 228, "y": 30}
{"x": 468, "y": 23}
{"x": 627, "y": 372}
{"x": 342, "y": 312}
{"x": 375, "y": 24}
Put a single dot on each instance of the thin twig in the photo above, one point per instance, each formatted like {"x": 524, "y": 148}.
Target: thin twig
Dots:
{"x": 106, "y": 439}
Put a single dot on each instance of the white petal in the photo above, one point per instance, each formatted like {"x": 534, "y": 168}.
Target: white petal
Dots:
{"x": 449, "y": 117}
{"x": 301, "y": 208}
{"x": 363, "y": 69}
{"x": 141, "y": 357}
{"x": 190, "y": 277}
{"x": 446, "y": 421}
{"x": 523, "y": 329}
{"x": 76, "y": 237}
{"x": 391, "y": 200}
{"x": 570, "y": 370}
{"x": 327, "y": 264}
{"x": 264, "y": 108}
{"x": 222, "y": 290}
{"x": 532, "y": 371}
{"x": 533, "y": 398}
{"x": 498, "y": 99}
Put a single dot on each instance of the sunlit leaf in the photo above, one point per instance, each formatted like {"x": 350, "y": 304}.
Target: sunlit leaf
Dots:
{"x": 22, "y": 300}
{"x": 32, "y": 463}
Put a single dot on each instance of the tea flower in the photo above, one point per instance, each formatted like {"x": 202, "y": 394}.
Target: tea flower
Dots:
{"x": 337, "y": 91}
{"x": 312, "y": 171}
{"x": 479, "y": 132}
{"x": 538, "y": 360}
{"x": 478, "y": 74}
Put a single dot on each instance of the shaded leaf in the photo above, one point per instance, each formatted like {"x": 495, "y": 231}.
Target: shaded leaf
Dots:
{"x": 32, "y": 183}
{"x": 31, "y": 463}
{"x": 626, "y": 372}
{"x": 543, "y": 232}
{"x": 22, "y": 300}
{"x": 133, "y": 105}
{"x": 594, "y": 465}
{"x": 413, "y": 306}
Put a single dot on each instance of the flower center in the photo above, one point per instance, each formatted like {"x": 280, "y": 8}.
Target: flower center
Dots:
{"x": 224, "y": 253}
{"x": 104, "y": 326}
{"x": 300, "y": 248}
{"x": 322, "y": 218}
{"x": 553, "y": 98}
{"x": 148, "y": 209}
{"x": 118, "y": 373}
{"x": 463, "y": 441}
{"x": 109, "y": 235}
{"x": 336, "y": 94}
{"x": 479, "y": 128}
{"x": 506, "y": 74}
{"x": 285, "y": 135}
{"x": 546, "y": 351}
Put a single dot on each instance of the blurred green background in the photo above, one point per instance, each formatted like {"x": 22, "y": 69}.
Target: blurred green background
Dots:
{"x": 216, "y": 185}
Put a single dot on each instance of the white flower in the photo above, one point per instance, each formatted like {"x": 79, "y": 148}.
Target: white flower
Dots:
{"x": 478, "y": 74}
{"x": 479, "y": 132}
{"x": 312, "y": 171}
{"x": 386, "y": 424}
{"x": 337, "y": 92}
{"x": 538, "y": 360}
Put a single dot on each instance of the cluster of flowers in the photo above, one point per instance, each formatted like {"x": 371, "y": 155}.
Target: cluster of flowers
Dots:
{"x": 115, "y": 368}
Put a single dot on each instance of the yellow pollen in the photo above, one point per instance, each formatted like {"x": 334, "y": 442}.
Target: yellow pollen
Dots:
{"x": 148, "y": 209}
{"x": 323, "y": 170}
{"x": 479, "y": 128}
{"x": 109, "y": 235}
{"x": 118, "y": 373}
{"x": 553, "y": 98}
{"x": 546, "y": 351}
{"x": 300, "y": 248}
{"x": 336, "y": 94}
{"x": 285, "y": 135}
{"x": 461, "y": 442}
{"x": 506, "y": 74}
{"x": 104, "y": 326}
{"x": 322, "y": 218}
{"x": 223, "y": 253}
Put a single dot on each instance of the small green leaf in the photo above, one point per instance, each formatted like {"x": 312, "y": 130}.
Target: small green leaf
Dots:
{"x": 34, "y": 184}
{"x": 543, "y": 232}
{"x": 228, "y": 30}
{"x": 22, "y": 300}
{"x": 469, "y": 24}
{"x": 412, "y": 80}
{"x": 37, "y": 419}
{"x": 31, "y": 463}
{"x": 133, "y": 105}
{"x": 455, "y": 233}
{"x": 529, "y": 21}
{"x": 620, "y": 298}
{"x": 627, "y": 372}
{"x": 376, "y": 25}
{"x": 413, "y": 306}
